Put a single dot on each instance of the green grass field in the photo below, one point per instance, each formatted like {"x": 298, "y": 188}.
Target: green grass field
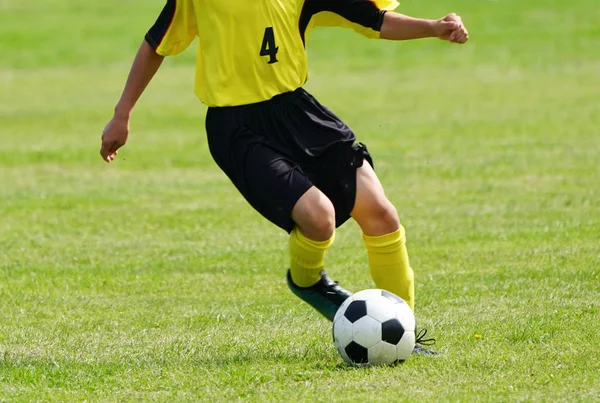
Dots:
{"x": 150, "y": 279}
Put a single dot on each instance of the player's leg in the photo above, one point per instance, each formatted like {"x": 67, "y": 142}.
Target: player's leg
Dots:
{"x": 385, "y": 240}
{"x": 383, "y": 236}
{"x": 278, "y": 189}
{"x": 313, "y": 234}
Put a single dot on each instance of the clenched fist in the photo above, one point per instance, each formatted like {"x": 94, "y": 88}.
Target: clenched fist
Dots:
{"x": 451, "y": 28}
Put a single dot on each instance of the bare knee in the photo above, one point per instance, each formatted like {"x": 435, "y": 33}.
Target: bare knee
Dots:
{"x": 314, "y": 215}
{"x": 381, "y": 218}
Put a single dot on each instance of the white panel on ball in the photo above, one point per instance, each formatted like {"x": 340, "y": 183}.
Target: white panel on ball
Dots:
{"x": 366, "y": 331}
{"x": 406, "y": 316}
{"x": 382, "y": 353}
{"x": 381, "y": 308}
{"x": 406, "y": 345}
{"x": 365, "y": 295}
{"x": 342, "y": 332}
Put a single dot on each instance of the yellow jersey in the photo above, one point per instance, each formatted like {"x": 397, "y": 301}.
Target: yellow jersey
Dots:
{"x": 251, "y": 50}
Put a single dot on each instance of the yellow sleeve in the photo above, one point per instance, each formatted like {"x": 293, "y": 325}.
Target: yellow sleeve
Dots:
{"x": 363, "y": 16}
{"x": 175, "y": 28}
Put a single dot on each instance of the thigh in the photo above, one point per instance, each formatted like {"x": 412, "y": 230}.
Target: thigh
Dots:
{"x": 369, "y": 191}
{"x": 372, "y": 210}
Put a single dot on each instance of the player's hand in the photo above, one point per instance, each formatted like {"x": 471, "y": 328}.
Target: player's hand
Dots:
{"x": 114, "y": 137}
{"x": 451, "y": 28}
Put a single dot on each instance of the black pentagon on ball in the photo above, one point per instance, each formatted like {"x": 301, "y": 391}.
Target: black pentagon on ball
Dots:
{"x": 356, "y": 310}
{"x": 392, "y": 297}
{"x": 357, "y": 353}
{"x": 392, "y": 331}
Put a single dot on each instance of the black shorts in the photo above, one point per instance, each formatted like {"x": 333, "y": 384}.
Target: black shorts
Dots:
{"x": 274, "y": 151}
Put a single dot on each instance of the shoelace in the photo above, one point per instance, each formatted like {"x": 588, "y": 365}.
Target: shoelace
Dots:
{"x": 420, "y": 339}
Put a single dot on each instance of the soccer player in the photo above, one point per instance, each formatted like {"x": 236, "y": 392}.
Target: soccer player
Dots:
{"x": 293, "y": 159}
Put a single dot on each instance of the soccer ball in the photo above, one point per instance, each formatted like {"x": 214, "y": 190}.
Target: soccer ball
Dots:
{"x": 374, "y": 327}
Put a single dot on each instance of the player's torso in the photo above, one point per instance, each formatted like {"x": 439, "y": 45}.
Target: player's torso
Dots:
{"x": 251, "y": 49}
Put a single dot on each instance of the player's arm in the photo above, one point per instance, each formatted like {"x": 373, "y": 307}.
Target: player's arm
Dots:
{"x": 397, "y": 26}
{"x": 145, "y": 65}
{"x": 375, "y": 19}
{"x": 172, "y": 33}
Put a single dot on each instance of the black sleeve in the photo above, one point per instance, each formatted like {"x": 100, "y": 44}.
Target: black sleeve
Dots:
{"x": 362, "y": 12}
{"x": 158, "y": 31}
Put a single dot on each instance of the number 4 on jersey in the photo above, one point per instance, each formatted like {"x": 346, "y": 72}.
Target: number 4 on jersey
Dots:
{"x": 268, "y": 47}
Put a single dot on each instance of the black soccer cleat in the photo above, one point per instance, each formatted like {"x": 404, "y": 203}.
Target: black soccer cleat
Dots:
{"x": 421, "y": 342}
{"x": 326, "y": 296}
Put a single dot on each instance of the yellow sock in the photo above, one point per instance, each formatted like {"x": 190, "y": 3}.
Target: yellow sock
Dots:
{"x": 307, "y": 258}
{"x": 390, "y": 269}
